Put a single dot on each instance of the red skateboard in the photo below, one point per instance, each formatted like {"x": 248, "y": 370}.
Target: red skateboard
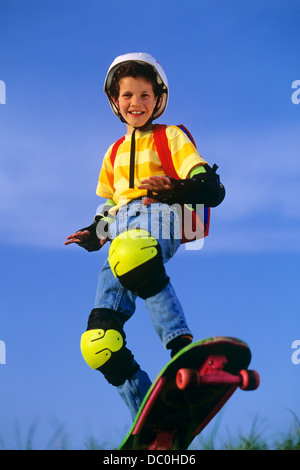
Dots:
{"x": 189, "y": 392}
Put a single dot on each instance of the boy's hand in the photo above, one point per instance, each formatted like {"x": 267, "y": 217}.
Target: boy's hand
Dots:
{"x": 80, "y": 237}
{"x": 155, "y": 184}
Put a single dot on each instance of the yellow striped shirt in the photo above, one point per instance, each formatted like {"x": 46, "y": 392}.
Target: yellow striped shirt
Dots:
{"x": 114, "y": 181}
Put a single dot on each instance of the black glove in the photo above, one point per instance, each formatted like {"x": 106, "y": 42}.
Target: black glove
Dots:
{"x": 203, "y": 188}
{"x": 92, "y": 243}
{"x": 98, "y": 229}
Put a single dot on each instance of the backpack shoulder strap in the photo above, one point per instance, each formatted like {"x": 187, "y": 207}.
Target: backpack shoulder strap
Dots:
{"x": 187, "y": 132}
{"x": 115, "y": 149}
{"x": 163, "y": 150}
{"x": 164, "y": 153}
{"x": 162, "y": 146}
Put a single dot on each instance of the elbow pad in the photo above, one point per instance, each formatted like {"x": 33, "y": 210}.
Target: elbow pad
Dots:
{"x": 203, "y": 188}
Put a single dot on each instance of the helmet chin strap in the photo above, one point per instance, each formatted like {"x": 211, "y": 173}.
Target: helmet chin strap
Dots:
{"x": 132, "y": 151}
{"x": 132, "y": 147}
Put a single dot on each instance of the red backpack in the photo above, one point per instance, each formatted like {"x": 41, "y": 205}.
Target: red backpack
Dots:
{"x": 194, "y": 225}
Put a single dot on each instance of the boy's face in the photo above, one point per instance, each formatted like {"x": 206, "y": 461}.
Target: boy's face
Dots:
{"x": 136, "y": 101}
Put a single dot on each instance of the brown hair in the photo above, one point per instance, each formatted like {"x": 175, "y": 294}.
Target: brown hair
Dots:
{"x": 135, "y": 70}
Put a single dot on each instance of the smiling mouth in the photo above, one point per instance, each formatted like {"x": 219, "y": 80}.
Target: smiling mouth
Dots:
{"x": 136, "y": 113}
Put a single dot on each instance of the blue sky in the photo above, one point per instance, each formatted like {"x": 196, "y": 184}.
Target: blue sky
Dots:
{"x": 230, "y": 67}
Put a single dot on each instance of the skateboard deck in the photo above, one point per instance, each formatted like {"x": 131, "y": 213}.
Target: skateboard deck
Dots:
{"x": 189, "y": 391}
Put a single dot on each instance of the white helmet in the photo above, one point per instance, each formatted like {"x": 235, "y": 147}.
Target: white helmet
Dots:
{"x": 141, "y": 57}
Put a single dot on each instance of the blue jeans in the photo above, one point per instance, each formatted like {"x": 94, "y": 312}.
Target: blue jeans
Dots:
{"x": 165, "y": 310}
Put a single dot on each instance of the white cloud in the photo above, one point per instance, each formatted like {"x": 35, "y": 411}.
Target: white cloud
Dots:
{"x": 47, "y": 189}
{"x": 261, "y": 171}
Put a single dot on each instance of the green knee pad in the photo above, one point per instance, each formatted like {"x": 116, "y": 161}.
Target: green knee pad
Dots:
{"x": 97, "y": 346}
{"x": 136, "y": 260}
{"x": 103, "y": 347}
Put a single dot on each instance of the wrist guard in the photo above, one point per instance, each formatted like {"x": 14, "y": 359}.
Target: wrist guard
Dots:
{"x": 203, "y": 188}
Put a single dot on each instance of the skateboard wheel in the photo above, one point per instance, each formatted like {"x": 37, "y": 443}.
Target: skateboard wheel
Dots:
{"x": 249, "y": 379}
{"x": 187, "y": 379}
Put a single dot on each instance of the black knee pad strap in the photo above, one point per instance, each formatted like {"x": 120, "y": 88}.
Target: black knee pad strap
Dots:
{"x": 146, "y": 280}
{"x": 121, "y": 366}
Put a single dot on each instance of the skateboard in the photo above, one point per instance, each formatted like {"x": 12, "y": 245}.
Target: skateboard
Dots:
{"x": 189, "y": 391}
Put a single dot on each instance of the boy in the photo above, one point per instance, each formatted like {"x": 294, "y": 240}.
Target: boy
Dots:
{"x": 139, "y": 205}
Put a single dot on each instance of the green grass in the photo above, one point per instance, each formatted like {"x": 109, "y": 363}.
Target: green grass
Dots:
{"x": 254, "y": 440}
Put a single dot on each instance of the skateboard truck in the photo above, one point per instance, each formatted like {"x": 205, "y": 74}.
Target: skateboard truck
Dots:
{"x": 212, "y": 373}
